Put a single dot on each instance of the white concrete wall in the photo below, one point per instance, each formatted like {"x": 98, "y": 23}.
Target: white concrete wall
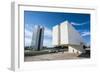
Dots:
{"x": 73, "y": 36}
{"x": 64, "y": 33}
{"x": 55, "y": 34}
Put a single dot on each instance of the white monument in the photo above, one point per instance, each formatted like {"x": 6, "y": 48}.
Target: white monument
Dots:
{"x": 65, "y": 34}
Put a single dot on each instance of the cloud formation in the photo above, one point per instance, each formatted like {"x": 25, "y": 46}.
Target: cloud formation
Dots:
{"x": 47, "y": 37}
{"x": 47, "y": 32}
{"x": 27, "y": 41}
{"x": 86, "y": 33}
{"x": 28, "y": 37}
{"x": 78, "y": 24}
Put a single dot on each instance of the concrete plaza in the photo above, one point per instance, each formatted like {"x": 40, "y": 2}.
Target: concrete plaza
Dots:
{"x": 52, "y": 56}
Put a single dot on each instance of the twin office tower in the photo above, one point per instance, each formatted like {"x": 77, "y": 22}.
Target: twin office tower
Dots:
{"x": 37, "y": 38}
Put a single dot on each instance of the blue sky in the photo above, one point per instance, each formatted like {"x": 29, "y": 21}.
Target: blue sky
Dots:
{"x": 81, "y": 23}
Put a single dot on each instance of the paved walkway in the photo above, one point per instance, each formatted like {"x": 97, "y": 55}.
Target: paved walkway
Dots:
{"x": 52, "y": 56}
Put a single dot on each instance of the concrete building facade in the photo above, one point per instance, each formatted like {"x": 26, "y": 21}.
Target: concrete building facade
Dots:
{"x": 65, "y": 34}
{"x": 56, "y": 35}
{"x": 37, "y": 38}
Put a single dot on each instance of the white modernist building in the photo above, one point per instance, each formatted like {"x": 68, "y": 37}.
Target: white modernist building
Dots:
{"x": 65, "y": 34}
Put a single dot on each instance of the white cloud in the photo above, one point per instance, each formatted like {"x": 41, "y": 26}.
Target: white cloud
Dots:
{"x": 85, "y": 33}
{"x": 73, "y": 23}
{"x": 28, "y": 37}
{"x": 47, "y": 42}
{"x": 77, "y": 24}
{"x": 47, "y": 32}
{"x": 29, "y": 27}
{"x": 47, "y": 37}
{"x": 27, "y": 41}
{"x": 28, "y": 33}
